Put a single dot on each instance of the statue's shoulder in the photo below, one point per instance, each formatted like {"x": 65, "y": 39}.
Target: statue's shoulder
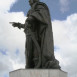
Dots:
{"x": 40, "y": 5}
{"x": 28, "y": 12}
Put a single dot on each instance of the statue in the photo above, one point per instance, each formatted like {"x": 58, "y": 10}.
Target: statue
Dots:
{"x": 39, "y": 48}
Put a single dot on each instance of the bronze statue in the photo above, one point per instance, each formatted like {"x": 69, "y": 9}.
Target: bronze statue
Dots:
{"x": 39, "y": 48}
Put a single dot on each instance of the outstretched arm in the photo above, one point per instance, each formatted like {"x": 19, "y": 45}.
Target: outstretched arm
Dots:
{"x": 19, "y": 25}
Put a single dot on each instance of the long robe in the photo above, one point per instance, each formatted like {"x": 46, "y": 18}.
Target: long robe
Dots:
{"x": 42, "y": 28}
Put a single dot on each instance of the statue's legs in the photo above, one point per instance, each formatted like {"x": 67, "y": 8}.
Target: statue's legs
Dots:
{"x": 29, "y": 52}
{"x": 36, "y": 55}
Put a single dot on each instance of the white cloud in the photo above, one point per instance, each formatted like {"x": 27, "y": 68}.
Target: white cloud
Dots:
{"x": 64, "y": 5}
{"x": 11, "y": 39}
{"x": 65, "y": 37}
{"x": 5, "y": 5}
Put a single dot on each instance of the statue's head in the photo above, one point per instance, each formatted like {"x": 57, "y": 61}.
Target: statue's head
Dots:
{"x": 31, "y": 2}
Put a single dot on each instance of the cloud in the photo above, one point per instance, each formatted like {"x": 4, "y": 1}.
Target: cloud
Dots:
{"x": 65, "y": 37}
{"x": 12, "y": 43}
{"x": 5, "y": 65}
{"x": 12, "y": 40}
{"x": 5, "y": 5}
{"x": 64, "y": 5}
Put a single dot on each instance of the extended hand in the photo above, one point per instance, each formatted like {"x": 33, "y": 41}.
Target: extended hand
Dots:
{"x": 14, "y": 24}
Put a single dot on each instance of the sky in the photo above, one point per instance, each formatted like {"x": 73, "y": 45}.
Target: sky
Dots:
{"x": 12, "y": 40}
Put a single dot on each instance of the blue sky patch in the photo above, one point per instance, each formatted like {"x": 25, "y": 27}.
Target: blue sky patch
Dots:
{"x": 20, "y": 5}
{"x": 6, "y": 75}
{"x": 17, "y": 52}
{"x": 54, "y": 7}
{"x": 56, "y": 48}
{"x": 3, "y": 51}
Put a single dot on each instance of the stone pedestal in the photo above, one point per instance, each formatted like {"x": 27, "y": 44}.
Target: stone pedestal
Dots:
{"x": 38, "y": 73}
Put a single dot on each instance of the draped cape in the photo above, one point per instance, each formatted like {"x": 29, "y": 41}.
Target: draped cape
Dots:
{"x": 40, "y": 20}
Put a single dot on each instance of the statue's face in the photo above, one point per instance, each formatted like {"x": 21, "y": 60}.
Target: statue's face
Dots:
{"x": 31, "y": 2}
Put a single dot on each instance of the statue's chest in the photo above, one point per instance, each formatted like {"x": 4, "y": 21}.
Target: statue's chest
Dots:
{"x": 30, "y": 12}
